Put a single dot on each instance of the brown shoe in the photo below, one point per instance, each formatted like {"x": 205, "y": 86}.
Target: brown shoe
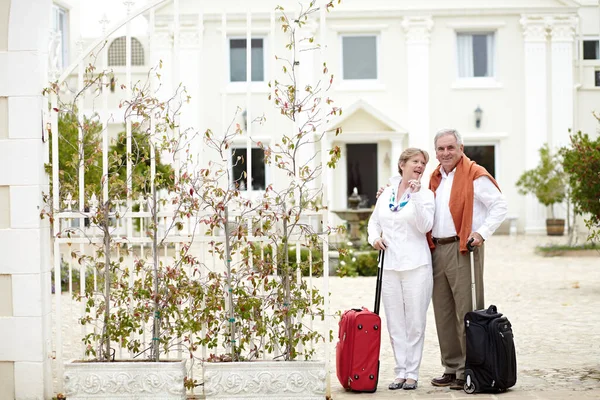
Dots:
{"x": 458, "y": 384}
{"x": 444, "y": 380}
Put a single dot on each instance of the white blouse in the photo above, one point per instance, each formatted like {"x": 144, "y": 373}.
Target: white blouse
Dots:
{"x": 404, "y": 230}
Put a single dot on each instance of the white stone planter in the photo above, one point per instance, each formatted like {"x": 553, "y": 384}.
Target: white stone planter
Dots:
{"x": 125, "y": 380}
{"x": 265, "y": 380}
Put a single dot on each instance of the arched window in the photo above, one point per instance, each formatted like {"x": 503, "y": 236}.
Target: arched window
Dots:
{"x": 117, "y": 49}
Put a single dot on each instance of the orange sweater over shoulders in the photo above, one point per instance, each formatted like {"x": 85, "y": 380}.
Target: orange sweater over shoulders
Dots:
{"x": 461, "y": 196}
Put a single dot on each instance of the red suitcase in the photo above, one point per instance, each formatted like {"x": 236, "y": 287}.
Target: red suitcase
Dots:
{"x": 357, "y": 351}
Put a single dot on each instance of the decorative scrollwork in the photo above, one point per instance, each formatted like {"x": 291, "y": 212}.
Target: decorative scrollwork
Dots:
{"x": 418, "y": 29}
{"x": 283, "y": 380}
{"x": 124, "y": 380}
{"x": 534, "y": 28}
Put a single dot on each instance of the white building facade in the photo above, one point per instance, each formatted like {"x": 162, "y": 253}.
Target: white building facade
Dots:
{"x": 509, "y": 75}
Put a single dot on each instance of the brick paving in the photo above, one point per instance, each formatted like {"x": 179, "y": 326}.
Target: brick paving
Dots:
{"x": 553, "y": 304}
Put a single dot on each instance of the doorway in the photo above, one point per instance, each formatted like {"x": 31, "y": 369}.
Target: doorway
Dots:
{"x": 361, "y": 167}
{"x": 484, "y": 156}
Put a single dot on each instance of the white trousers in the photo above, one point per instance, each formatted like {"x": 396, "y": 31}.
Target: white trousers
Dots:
{"x": 406, "y": 296}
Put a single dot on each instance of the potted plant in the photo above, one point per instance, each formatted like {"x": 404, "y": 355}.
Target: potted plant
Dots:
{"x": 260, "y": 307}
{"x": 548, "y": 183}
{"x": 131, "y": 296}
{"x": 581, "y": 160}
{"x": 253, "y": 306}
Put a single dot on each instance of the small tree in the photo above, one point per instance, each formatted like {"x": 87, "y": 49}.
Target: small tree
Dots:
{"x": 307, "y": 107}
{"x": 255, "y": 302}
{"x": 581, "y": 161}
{"x": 126, "y": 299}
{"x": 547, "y": 181}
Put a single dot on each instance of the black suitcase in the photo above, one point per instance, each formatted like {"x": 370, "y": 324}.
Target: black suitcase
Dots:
{"x": 491, "y": 364}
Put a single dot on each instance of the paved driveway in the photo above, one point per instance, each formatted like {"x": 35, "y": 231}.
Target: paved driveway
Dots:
{"x": 553, "y": 304}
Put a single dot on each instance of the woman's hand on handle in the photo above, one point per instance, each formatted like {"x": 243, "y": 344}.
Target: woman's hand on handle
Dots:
{"x": 379, "y": 244}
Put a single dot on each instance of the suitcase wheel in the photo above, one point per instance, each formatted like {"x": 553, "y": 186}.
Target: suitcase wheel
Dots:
{"x": 469, "y": 385}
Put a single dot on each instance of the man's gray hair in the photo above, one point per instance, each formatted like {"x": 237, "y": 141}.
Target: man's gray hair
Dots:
{"x": 448, "y": 131}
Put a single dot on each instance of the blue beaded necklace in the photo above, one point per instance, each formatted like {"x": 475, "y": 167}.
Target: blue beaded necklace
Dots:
{"x": 403, "y": 200}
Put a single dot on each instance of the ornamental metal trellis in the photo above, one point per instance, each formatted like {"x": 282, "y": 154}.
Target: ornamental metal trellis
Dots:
{"x": 135, "y": 217}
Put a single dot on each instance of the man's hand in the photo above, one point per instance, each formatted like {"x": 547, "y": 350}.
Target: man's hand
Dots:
{"x": 381, "y": 189}
{"x": 379, "y": 244}
{"x": 477, "y": 239}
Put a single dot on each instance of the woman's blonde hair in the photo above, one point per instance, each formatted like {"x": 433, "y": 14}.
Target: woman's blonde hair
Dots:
{"x": 410, "y": 153}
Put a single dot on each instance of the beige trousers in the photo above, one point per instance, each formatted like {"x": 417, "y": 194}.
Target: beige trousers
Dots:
{"x": 452, "y": 299}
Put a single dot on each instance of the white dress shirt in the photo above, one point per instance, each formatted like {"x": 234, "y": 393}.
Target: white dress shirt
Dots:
{"x": 403, "y": 230}
{"x": 489, "y": 207}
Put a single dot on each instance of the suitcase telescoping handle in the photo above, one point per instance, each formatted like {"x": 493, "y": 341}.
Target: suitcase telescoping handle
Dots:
{"x": 379, "y": 282}
{"x": 471, "y": 248}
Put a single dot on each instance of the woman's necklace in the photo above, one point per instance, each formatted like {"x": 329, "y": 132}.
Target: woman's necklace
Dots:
{"x": 403, "y": 200}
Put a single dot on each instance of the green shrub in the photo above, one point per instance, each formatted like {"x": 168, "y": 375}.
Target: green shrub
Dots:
{"x": 366, "y": 263}
{"x": 581, "y": 160}
{"x": 351, "y": 262}
{"x": 317, "y": 259}
{"x": 356, "y": 263}
{"x": 75, "y": 280}
{"x": 346, "y": 269}
{"x": 554, "y": 248}
{"x": 547, "y": 181}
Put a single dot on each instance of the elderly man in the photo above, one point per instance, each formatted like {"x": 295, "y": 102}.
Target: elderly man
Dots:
{"x": 468, "y": 205}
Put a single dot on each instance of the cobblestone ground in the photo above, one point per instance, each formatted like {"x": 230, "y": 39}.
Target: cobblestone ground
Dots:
{"x": 553, "y": 305}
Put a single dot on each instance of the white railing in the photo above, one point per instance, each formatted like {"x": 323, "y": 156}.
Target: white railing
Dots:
{"x": 76, "y": 278}
{"x": 74, "y": 231}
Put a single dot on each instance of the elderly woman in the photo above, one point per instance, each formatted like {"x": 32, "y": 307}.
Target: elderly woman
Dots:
{"x": 402, "y": 217}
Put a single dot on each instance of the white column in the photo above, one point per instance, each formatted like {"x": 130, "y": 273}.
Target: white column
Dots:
{"x": 200, "y": 87}
{"x": 162, "y": 50}
{"x": 190, "y": 71}
{"x": 562, "y": 31}
{"x": 161, "y": 45}
{"x": 536, "y": 110}
{"x": 25, "y": 311}
{"x": 176, "y": 78}
{"x": 330, "y": 179}
{"x": 306, "y": 77}
{"x": 417, "y": 62}
{"x": 340, "y": 198}
{"x": 562, "y": 84}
